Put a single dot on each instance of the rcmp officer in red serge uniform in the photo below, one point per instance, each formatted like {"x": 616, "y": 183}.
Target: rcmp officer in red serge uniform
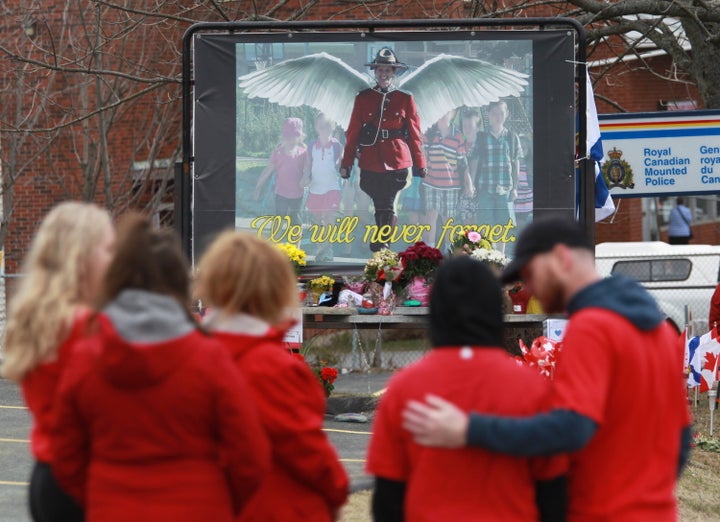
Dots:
{"x": 384, "y": 134}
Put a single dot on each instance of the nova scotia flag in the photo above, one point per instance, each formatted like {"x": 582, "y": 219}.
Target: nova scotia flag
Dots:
{"x": 604, "y": 205}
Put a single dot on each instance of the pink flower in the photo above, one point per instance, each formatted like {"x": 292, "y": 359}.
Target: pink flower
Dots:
{"x": 473, "y": 236}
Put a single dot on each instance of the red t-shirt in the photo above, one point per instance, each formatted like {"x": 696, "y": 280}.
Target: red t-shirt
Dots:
{"x": 630, "y": 382}
{"x": 467, "y": 484}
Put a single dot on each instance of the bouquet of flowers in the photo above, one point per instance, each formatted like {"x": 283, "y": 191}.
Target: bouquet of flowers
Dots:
{"x": 295, "y": 254}
{"x": 327, "y": 376}
{"x": 322, "y": 284}
{"x": 490, "y": 256}
{"x": 383, "y": 271}
{"x": 419, "y": 260}
{"x": 384, "y": 266}
{"x": 468, "y": 241}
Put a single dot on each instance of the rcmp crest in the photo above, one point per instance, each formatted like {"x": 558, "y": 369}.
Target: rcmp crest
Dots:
{"x": 617, "y": 171}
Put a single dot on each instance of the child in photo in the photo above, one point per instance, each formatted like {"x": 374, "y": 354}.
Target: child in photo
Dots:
{"x": 323, "y": 201}
{"x": 288, "y": 162}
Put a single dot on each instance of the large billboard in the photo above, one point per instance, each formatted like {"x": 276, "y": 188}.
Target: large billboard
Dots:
{"x": 346, "y": 141}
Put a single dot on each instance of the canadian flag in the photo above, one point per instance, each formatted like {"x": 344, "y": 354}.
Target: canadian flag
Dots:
{"x": 702, "y": 357}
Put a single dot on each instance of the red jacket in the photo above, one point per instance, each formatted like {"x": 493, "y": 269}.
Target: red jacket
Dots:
{"x": 157, "y": 429}
{"x": 714, "y": 316}
{"x": 394, "y": 152}
{"x": 39, "y": 388}
{"x": 307, "y": 482}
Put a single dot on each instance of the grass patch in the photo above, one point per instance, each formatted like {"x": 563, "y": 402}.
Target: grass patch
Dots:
{"x": 358, "y": 508}
{"x": 245, "y": 163}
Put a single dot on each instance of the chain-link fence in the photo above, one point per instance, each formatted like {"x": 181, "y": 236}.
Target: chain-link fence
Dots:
{"x": 364, "y": 349}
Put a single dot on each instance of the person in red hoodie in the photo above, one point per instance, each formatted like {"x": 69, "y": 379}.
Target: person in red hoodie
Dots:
{"x": 251, "y": 287}
{"x": 63, "y": 275}
{"x": 154, "y": 421}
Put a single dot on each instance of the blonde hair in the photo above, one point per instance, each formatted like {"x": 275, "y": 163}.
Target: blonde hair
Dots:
{"x": 41, "y": 312}
{"x": 241, "y": 273}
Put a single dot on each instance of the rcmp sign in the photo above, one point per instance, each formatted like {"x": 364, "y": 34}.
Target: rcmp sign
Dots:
{"x": 661, "y": 153}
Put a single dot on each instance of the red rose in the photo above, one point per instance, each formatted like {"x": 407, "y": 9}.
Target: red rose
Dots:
{"x": 328, "y": 374}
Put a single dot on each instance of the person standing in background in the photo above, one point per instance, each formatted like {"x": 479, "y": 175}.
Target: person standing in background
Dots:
{"x": 468, "y": 364}
{"x": 154, "y": 421}
{"x": 680, "y": 224}
{"x": 251, "y": 288}
{"x": 63, "y": 276}
{"x": 625, "y": 455}
{"x": 714, "y": 316}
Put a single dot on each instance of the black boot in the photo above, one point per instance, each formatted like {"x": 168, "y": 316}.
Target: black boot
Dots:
{"x": 382, "y": 218}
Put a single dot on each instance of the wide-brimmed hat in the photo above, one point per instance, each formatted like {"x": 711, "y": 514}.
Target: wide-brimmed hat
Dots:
{"x": 386, "y": 56}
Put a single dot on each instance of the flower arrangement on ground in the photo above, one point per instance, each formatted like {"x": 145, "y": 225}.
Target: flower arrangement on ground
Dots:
{"x": 327, "y": 376}
{"x": 468, "y": 241}
{"x": 295, "y": 254}
{"x": 419, "y": 260}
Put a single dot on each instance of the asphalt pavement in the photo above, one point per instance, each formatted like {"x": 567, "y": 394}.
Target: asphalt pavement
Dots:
{"x": 354, "y": 393}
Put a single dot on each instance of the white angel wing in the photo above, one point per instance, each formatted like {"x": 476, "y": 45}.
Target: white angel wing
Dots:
{"x": 319, "y": 80}
{"x": 446, "y": 82}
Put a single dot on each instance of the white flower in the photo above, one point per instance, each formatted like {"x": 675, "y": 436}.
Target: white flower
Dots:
{"x": 492, "y": 256}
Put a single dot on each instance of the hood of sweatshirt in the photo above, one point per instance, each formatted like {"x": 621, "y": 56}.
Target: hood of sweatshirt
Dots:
{"x": 623, "y": 296}
{"x": 248, "y": 332}
{"x": 144, "y": 338}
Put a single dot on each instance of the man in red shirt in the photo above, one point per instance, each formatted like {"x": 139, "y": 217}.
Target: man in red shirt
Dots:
{"x": 384, "y": 134}
{"x": 469, "y": 366}
{"x": 619, "y": 403}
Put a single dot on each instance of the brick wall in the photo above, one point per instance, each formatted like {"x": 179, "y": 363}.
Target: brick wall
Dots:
{"x": 58, "y": 165}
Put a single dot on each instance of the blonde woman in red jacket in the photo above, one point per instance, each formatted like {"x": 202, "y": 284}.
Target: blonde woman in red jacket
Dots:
{"x": 154, "y": 421}
{"x": 251, "y": 287}
{"x": 62, "y": 276}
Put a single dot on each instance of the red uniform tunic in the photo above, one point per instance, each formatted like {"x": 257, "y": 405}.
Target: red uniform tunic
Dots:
{"x": 468, "y": 484}
{"x": 157, "y": 431}
{"x": 395, "y": 113}
{"x": 630, "y": 383}
{"x": 307, "y": 481}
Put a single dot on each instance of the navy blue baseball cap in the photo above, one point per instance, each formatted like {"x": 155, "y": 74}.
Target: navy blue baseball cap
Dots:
{"x": 541, "y": 236}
